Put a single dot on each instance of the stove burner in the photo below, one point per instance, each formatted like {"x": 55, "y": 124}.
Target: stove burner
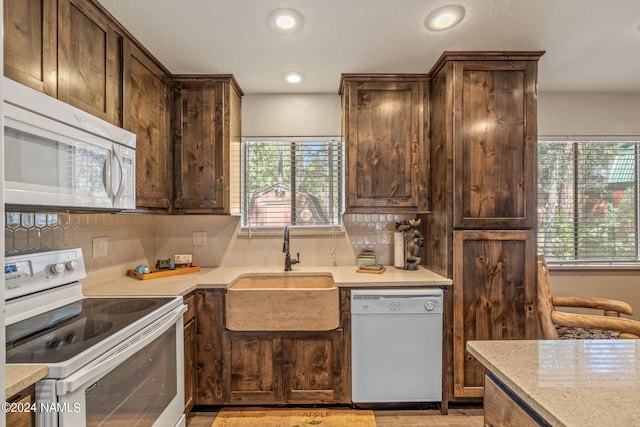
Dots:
{"x": 129, "y": 306}
{"x": 84, "y": 331}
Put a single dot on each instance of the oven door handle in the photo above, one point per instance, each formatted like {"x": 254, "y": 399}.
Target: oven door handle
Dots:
{"x": 107, "y": 362}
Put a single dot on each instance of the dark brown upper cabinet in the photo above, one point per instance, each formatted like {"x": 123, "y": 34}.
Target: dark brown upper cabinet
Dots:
{"x": 89, "y": 60}
{"x": 206, "y": 117}
{"x": 494, "y": 135}
{"x": 30, "y": 48}
{"x": 147, "y": 113}
{"x": 383, "y": 122}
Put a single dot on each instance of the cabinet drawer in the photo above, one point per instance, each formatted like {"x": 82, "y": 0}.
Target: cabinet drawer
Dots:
{"x": 190, "y": 302}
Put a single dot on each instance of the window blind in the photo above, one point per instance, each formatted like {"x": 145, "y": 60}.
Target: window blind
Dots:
{"x": 588, "y": 200}
{"x": 291, "y": 181}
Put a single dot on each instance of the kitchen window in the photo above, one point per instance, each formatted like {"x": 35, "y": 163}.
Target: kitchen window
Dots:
{"x": 588, "y": 200}
{"x": 292, "y": 181}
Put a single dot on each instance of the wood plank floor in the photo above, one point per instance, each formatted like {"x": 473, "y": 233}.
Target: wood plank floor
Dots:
{"x": 457, "y": 417}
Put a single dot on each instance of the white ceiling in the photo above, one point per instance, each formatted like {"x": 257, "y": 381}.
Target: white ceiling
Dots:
{"x": 591, "y": 45}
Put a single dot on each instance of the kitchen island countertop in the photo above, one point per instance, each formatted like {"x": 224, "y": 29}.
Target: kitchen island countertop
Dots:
{"x": 569, "y": 382}
{"x": 221, "y": 277}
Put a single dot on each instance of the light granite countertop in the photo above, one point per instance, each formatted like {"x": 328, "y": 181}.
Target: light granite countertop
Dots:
{"x": 221, "y": 277}
{"x": 569, "y": 382}
{"x": 19, "y": 377}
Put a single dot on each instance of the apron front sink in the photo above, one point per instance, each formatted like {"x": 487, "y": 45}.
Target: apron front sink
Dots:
{"x": 282, "y": 302}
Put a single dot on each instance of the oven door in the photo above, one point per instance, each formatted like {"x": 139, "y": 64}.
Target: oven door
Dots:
{"x": 138, "y": 383}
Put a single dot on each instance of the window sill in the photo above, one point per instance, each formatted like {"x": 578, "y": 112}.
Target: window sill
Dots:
{"x": 279, "y": 233}
{"x": 568, "y": 266}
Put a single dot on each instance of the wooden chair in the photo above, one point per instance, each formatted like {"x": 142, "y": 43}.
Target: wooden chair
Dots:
{"x": 610, "y": 321}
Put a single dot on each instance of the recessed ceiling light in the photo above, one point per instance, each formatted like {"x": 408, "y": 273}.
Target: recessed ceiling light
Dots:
{"x": 444, "y": 17}
{"x": 285, "y": 20}
{"x": 293, "y": 77}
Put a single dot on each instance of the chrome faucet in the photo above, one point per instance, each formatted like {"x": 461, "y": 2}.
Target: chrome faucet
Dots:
{"x": 288, "y": 262}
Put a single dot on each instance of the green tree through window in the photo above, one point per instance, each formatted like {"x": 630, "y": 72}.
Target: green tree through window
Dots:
{"x": 295, "y": 181}
{"x": 588, "y": 200}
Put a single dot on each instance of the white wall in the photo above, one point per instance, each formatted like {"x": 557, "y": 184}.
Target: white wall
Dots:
{"x": 593, "y": 114}
{"x": 316, "y": 114}
{"x": 563, "y": 113}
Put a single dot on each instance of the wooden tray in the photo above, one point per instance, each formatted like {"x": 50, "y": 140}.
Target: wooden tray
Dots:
{"x": 159, "y": 274}
{"x": 382, "y": 270}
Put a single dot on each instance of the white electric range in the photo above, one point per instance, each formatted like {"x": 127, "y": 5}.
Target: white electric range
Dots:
{"x": 112, "y": 361}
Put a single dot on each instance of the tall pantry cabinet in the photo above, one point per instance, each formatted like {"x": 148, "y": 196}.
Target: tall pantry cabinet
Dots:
{"x": 481, "y": 227}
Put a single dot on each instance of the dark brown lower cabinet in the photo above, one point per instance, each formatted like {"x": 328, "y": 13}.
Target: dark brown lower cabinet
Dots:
{"x": 252, "y": 367}
{"x": 23, "y": 399}
{"x": 494, "y": 292}
{"x": 269, "y": 367}
{"x": 312, "y": 370}
{"x": 283, "y": 367}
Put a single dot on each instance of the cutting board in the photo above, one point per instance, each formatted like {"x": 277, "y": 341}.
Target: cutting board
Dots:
{"x": 165, "y": 273}
{"x": 382, "y": 270}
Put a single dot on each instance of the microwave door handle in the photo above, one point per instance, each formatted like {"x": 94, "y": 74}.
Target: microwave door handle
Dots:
{"x": 118, "y": 189}
{"x": 106, "y": 176}
{"x": 93, "y": 372}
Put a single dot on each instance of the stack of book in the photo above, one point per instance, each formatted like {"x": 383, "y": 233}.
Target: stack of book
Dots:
{"x": 367, "y": 256}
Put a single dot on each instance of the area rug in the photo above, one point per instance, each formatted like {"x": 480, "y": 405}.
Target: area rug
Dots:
{"x": 294, "y": 417}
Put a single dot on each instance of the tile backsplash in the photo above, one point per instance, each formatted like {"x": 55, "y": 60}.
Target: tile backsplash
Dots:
{"x": 135, "y": 239}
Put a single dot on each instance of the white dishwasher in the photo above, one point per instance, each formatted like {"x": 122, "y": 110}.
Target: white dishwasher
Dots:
{"x": 396, "y": 345}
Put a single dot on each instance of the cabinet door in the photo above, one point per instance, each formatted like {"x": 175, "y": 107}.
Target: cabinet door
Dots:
{"x": 206, "y": 114}
{"x": 313, "y": 367}
{"x": 252, "y": 367}
{"x": 147, "y": 114}
{"x": 89, "y": 60}
{"x": 494, "y": 292}
{"x": 385, "y": 146}
{"x": 30, "y": 43}
{"x": 495, "y": 138}
{"x": 210, "y": 323}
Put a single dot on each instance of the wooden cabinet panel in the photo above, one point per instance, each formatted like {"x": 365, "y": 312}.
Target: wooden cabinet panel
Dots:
{"x": 501, "y": 410}
{"x": 206, "y": 119}
{"x": 30, "y": 44}
{"x": 383, "y": 125}
{"x": 24, "y": 399}
{"x": 189, "y": 365}
{"x": 89, "y": 60}
{"x": 190, "y": 352}
{"x": 253, "y": 367}
{"x": 495, "y": 144}
{"x": 210, "y": 318}
{"x": 313, "y": 366}
{"x": 493, "y": 296}
{"x": 147, "y": 114}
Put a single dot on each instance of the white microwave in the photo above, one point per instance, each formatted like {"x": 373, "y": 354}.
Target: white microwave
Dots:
{"x": 58, "y": 156}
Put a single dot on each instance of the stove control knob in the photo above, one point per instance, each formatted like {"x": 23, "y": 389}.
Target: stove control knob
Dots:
{"x": 72, "y": 338}
{"x": 72, "y": 265}
{"x": 55, "y": 344}
{"x": 429, "y": 305}
{"x": 56, "y": 268}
